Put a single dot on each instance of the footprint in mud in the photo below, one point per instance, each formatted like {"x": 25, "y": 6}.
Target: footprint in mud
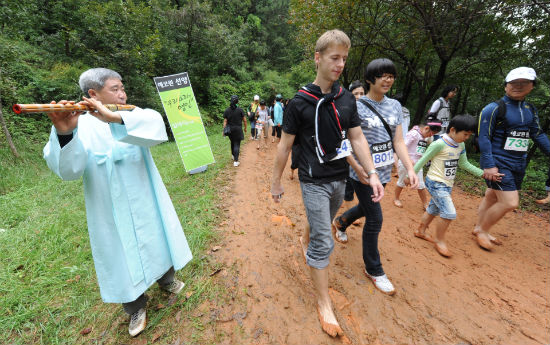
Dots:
{"x": 346, "y": 318}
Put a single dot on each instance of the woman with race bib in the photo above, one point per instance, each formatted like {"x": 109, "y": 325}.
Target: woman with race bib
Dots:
{"x": 381, "y": 119}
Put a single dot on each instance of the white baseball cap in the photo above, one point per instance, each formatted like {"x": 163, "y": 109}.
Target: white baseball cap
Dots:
{"x": 521, "y": 73}
{"x": 256, "y": 98}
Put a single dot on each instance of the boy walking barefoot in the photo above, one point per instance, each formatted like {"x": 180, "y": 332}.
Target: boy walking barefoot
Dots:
{"x": 323, "y": 118}
{"x": 416, "y": 146}
{"x": 447, "y": 154}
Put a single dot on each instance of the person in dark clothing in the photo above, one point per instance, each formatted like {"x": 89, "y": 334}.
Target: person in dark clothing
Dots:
{"x": 234, "y": 117}
{"x": 503, "y": 137}
{"x": 323, "y": 118}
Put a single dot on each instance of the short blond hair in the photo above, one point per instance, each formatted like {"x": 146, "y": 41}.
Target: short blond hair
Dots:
{"x": 332, "y": 37}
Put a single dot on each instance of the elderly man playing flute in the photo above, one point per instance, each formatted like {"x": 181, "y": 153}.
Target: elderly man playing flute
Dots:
{"x": 135, "y": 234}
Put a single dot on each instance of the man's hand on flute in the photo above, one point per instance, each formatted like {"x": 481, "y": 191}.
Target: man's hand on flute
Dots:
{"x": 64, "y": 122}
{"x": 101, "y": 112}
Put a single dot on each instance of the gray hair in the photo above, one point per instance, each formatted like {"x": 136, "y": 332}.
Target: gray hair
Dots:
{"x": 95, "y": 78}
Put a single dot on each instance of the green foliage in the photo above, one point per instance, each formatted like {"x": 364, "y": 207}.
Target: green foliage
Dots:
{"x": 471, "y": 43}
{"x": 228, "y": 47}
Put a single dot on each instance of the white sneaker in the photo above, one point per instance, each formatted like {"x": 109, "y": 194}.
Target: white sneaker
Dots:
{"x": 341, "y": 236}
{"x": 382, "y": 283}
{"x": 138, "y": 320}
{"x": 236, "y": 164}
{"x": 174, "y": 287}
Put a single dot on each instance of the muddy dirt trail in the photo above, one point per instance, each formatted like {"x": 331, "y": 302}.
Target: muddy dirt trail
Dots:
{"x": 476, "y": 297}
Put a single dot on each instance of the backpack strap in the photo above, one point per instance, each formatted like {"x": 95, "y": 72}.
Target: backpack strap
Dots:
{"x": 500, "y": 119}
{"x": 386, "y": 126}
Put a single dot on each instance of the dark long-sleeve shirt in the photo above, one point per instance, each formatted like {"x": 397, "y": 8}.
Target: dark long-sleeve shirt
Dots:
{"x": 520, "y": 116}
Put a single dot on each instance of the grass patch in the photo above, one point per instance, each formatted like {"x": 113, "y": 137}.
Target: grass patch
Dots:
{"x": 49, "y": 291}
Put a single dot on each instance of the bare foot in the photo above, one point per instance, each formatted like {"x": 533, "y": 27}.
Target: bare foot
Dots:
{"x": 442, "y": 249}
{"x": 328, "y": 321}
{"x": 398, "y": 203}
{"x": 543, "y": 201}
{"x": 422, "y": 234}
{"x": 492, "y": 238}
{"x": 483, "y": 240}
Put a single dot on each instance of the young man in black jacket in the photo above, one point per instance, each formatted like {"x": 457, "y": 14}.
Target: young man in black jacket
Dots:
{"x": 323, "y": 117}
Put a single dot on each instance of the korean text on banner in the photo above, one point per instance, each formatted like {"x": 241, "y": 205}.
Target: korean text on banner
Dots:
{"x": 181, "y": 108}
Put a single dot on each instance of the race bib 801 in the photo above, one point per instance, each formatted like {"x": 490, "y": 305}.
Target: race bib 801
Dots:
{"x": 382, "y": 154}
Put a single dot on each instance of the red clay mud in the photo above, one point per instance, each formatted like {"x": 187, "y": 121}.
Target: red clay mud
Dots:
{"x": 474, "y": 297}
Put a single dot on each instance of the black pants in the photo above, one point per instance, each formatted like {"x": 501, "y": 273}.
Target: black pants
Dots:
{"x": 141, "y": 301}
{"x": 348, "y": 195}
{"x": 277, "y": 130}
{"x": 235, "y": 148}
{"x": 372, "y": 211}
{"x": 253, "y": 131}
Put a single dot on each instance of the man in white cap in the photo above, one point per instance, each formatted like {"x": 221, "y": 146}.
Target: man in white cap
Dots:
{"x": 505, "y": 127}
{"x": 252, "y": 116}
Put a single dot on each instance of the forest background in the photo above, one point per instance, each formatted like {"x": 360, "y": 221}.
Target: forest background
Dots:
{"x": 265, "y": 47}
{"x": 243, "y": 47}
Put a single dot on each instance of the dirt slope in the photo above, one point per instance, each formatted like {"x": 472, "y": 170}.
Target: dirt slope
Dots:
{"x": 476, "y": 297}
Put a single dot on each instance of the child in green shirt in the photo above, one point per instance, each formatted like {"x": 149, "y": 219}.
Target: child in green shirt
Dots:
{"x": 447, "y": 154}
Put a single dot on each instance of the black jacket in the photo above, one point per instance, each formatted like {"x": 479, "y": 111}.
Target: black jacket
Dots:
{"x": 320, "y": 123}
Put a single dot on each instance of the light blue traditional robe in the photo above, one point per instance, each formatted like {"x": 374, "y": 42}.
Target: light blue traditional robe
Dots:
{"x": 135, "y": 233}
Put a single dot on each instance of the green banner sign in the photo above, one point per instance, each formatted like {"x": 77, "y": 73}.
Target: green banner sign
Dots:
{"x": 185, "y": 120}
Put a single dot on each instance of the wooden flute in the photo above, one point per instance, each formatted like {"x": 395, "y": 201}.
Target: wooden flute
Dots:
{"x": 50, "y": 108}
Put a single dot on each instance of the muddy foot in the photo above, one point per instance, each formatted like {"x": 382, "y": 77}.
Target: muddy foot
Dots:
{"x": 329, "y": 323}
{"x": 442, "y": 249}
{"x": 423, "y": 236}
{"x": 483, "y": 240}
{"x": 492, "y": 238}
{"x": 398, "y": 203}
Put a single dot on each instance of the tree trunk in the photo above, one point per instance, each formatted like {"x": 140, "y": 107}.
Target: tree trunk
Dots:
{"x": 464, "y": 100}
{"x": 424, "y": 97}
{"x": 7, "y": 133}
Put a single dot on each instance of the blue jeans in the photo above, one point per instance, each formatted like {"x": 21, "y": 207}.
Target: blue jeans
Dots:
{"x": 441, "y": 203}
{"x": 321, "y": 202}
{"x": 348, "y": 195}
{"x": 372, "y": 211}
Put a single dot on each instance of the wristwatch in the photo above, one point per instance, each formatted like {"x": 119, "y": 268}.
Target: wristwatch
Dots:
{"x": 373, "y": 171}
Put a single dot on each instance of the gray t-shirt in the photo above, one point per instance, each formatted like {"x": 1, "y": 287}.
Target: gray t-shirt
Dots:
{"x": 376, "y": 133}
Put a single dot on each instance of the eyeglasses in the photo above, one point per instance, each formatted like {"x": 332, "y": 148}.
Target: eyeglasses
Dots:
{"x": 520, "y": 82}
{"x": 387, "y": 77}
